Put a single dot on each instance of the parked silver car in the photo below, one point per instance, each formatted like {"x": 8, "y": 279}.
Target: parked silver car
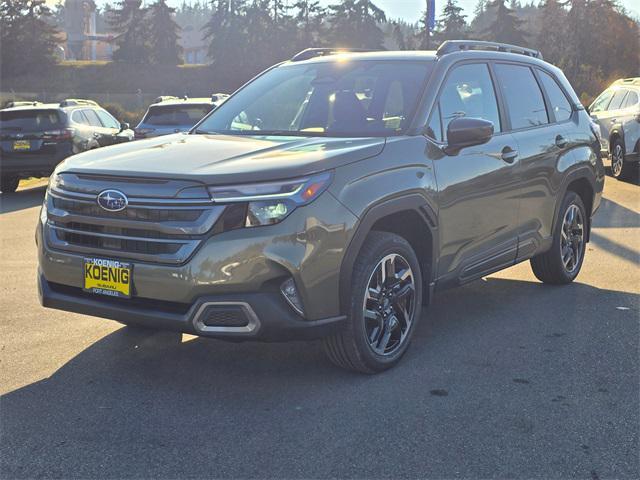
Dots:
{"x": 617, "y": 111}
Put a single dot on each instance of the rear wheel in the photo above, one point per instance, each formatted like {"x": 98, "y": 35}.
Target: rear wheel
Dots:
{"x": 9, "y": 184}
{"x": 561, "y": 264}
{"x": 620, "y": 169}
{"x": 386, "y": 298}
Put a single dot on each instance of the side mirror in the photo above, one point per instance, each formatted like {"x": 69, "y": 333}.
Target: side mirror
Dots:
{"x": 466, "y": 132}
{"x": 124, "y": 126}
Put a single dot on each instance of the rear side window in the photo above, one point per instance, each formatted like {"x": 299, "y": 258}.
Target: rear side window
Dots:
{"x": 92, "y": 117}
{"x": 107, "y": 120}
{"x": 468, "y": 92}
{"x": 601, "y": 102}
{"x": 618, "y": 100}
{"x": 632, "y": 100}
{"x": 523, "y": 96}
{"x": 29, "y": 120}
{"x": 78, "y": 117}
{"x": 176, "y": 114}
{"x": 559, "y": 103}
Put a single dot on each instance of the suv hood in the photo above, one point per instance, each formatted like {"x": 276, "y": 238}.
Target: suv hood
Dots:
{"x": 223, "y": 159}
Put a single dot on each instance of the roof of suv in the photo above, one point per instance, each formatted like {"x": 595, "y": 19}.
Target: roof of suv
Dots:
{"x": 64, "y": 105}
{"x": 465, "y": 48}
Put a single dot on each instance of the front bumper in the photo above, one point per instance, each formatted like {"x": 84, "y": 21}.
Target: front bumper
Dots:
{"x": 268, "y": 317}
{"x": 274, "y": 320}
{"x": 242, "y": 269}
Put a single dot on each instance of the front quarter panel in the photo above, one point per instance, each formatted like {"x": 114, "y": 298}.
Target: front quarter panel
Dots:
{"x": 404, "y": 167}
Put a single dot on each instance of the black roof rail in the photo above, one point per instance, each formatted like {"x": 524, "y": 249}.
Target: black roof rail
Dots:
{"x": 450, "y": 46}
{"x": 321, "y": 52}
{"x": 627, "y": 81}
{"x": 70, "y": 102}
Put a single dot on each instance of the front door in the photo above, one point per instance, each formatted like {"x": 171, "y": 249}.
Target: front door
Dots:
{"x": 477, "y": 187}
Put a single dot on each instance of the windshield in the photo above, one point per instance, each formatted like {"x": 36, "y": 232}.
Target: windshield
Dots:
{"x": 176, "y": 114}
{"x": 355, "y": 99}
{"x": 29, "y": 120}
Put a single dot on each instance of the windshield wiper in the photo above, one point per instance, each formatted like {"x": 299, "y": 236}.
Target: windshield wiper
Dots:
{"x": 204, "y": 132}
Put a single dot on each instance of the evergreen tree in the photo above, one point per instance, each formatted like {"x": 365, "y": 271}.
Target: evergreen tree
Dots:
{"x": 27, "y": 37}
{"x": 164, "y": 35}
{"x": 452, "y": 24}
{"x": 227, "y": 34}
{"x": 310, "y": 23}
{"x": 552, "y": 31}
{"x": 506, "y": 27}
{"x": 354, "y": 23}
{"x": 128, "y": 20}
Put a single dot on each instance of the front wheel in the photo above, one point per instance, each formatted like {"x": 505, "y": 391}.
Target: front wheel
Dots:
{"x": 620, "y": 168}
{"x": 386, "y": 298}
{"x": 561, "y": 264}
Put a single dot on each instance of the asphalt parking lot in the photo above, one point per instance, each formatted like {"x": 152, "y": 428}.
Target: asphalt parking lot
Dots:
{"x": 507, "y": 378}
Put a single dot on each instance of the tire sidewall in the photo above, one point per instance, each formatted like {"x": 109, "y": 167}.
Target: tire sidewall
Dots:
{"x": 571, "y": 198}
{"x": 615, "y": 143}
{"x": 399, "y": 246}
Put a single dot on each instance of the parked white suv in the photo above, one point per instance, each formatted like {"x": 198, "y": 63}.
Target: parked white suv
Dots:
{"x": 617, "y": 111}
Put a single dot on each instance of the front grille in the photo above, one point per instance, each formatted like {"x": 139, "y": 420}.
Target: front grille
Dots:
{"x": 132, "y": 213}
{"x": 160, "y": 230}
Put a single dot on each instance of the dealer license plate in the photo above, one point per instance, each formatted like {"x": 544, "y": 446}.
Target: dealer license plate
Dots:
{"x": 22, "y": 145}
{"x": 107, "y": 277}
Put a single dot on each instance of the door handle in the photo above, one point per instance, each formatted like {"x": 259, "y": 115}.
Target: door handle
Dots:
{"x": 561, "y": 142}
{"x": 96, "y": 134}
{"x": 509, "y": 155}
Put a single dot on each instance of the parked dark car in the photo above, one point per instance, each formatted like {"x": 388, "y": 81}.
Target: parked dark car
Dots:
{"x": 330, "y": 198}
{"x": 174, "y": 115}
{"x": 36, "y": 137}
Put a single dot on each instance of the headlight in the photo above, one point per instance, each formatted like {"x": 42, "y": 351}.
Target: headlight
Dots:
{"x": 272, "y": 202}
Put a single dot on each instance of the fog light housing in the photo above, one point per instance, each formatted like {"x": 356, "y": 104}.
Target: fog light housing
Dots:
{"x": 290, "y": 293}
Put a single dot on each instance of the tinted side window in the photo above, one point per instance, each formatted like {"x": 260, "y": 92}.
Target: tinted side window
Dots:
{"x": 617, "y": 100}
{"x": 601, "y": 102}
{"x": 523, "y": 96}
{"x": 434, "y": 129}
{"x": 92, "y": 117}
{"x": 468, "y": 91}
{"x": 632, "y": 99}
{"x": 107, "y": 120}
{"x": 559, "y": 103}
{"x": 78, "y": 117}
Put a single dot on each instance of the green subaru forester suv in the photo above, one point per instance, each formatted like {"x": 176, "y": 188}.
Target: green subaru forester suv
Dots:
{"x": 330, "y": 197}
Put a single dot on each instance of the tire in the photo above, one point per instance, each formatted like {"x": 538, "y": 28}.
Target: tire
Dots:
{"x": 620, "y": 168}
{"x": 569, "y": 242}
{"x": 377, "y": 341}
{"x": 9, "y": 184}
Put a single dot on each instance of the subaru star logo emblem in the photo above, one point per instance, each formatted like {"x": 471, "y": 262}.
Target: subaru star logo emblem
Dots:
{"x": 112, "y": 200}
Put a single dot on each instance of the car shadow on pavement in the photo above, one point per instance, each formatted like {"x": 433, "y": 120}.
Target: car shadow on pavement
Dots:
{"x": 494, "y": 365}
{"x": 22, "y": 199}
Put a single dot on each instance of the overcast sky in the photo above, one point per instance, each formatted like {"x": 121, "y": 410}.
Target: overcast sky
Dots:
{"x": 410, "y": 9}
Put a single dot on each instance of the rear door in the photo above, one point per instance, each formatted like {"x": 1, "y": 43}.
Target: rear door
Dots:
{"x": 477, "y": 198}
{"x": 541, "y": 122}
